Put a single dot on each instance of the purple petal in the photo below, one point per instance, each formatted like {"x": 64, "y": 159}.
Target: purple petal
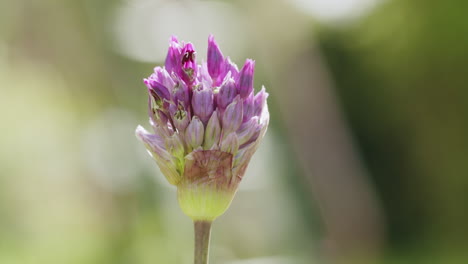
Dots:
{"x": 212, "y": 131}
{"x": 194, "y": 133}
{"x": 231, "y": 67}
{"x": 180, "y": 117}
{"x": 232, "y": 117}
{"x": 203, "y": 76}
{"x": 157, "y": 89}
{"x": 163, "y": 77}
{"x": 202, "y": 104}
{"x": 246, "y": 75}
{"x": 248, "y": 107}
{"x": 226, "y": 94}
{"x": 215, "y": 58}
{"x": 189, "y": 64}
{"x": 260, "y": 101}
{"x": 173, "y": 57}
{"x": 181, "y": 94}
{"x": 248, "y": 131}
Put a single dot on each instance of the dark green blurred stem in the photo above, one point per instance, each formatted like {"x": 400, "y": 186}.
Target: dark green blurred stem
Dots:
{"x": 202, "y": 241}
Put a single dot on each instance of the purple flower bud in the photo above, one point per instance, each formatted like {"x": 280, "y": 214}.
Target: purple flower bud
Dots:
{"x": 202, "y": 103}
{"x": 248, "y": 107}
{"x": 181, "y": 94}
{"x": 163, "y": 77}
{"x": 229, "y": 66}
{"x": 226, "y": 94}
{"x": 162, "y": 126}
{"x": 232, "y": 117}
{"x": 189, "y": 64}
{"x": 230, "y": 144}
{"x": 194, "y": 133}
{"x": 157, "y": 90}
{"x": 215, "y": 58}
{"x": 247, "y": 131}
{"x": 173, "y": 57}
{"x": 180, "y": 117}
{"x": 245, "y": 83}
{"x": 212, "y": 131}
{"x": 203, "y": 75}
{"x": 260, "y": 101}
{"x": 161, "y": 118}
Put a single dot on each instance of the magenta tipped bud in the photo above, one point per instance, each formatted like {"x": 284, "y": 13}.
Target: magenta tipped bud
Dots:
{"x": 202, "y": 104}
{"x": 212, "y": 131}
{"x": 173, "y": 58}
{"x": 215, "y": 58}
{"x": 245, "y": 83}
{"x": 194, "y": 133}
{"x": 189, "y": 64}
{"x": 226, "y": 94}
{"x": 232, "y": 117}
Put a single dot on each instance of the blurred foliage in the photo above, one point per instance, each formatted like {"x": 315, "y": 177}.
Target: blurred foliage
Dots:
{"x": 402, "y": 74}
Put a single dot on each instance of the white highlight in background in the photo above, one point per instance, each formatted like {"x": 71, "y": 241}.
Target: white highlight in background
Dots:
{"x": 335, "y": 10}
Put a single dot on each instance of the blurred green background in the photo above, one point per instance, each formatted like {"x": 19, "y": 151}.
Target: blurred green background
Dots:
{"x": 365, "y": 161}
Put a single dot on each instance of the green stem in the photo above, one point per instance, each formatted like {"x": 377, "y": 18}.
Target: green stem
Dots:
{"x": 202, "y": 241}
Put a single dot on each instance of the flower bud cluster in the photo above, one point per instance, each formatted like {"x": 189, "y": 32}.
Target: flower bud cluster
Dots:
{"x": 207, "y": 121}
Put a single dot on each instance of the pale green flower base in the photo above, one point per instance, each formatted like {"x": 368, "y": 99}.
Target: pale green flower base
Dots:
{"x": 203, "y": 203}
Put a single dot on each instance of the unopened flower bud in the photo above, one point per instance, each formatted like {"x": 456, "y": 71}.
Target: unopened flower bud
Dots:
{"x": 173, "y": 57}
{"x": 260, "y": 101}
{"x": 194, "y": 133}
{"x": 180, "y": 117}
{"x": 249, "y": 107}
{"x": 231, "y": 67}
{"x": 226, "y": 94}
{"x": 245, "y": 83}
{"x": 248, "y": 130}
{"x": 181, "y": 93}
{"x": 212, "y": 131}
{"x": 230, "y": 144}
{"x": 232, "y": 117}
{"x": 215, "y": 58}
{"x": 159, "y": 91}
{"x": 163, "y": 77}
{"x": 189, "y": 65}
{"x": 202, "y": 103}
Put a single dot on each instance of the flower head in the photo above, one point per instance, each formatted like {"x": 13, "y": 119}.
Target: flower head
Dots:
{"x": 207, "y": 123}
